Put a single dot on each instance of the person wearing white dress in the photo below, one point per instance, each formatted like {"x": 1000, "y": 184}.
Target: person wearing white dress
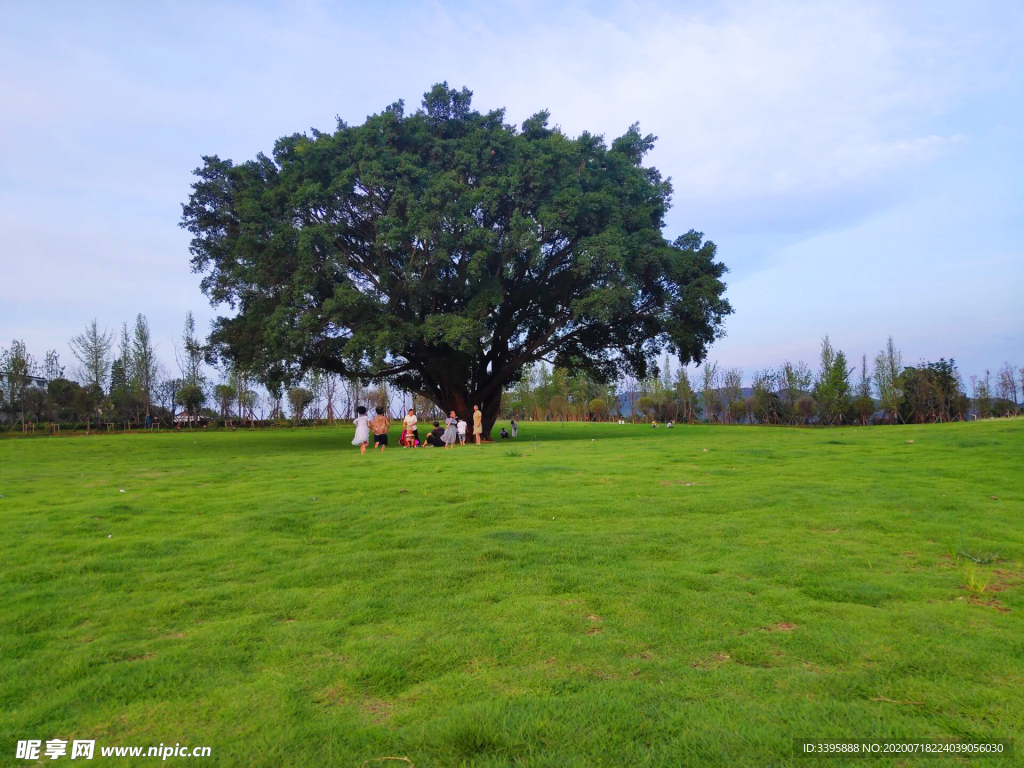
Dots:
{"x": 362, "y": 429}
{"x": 515, "y": 428}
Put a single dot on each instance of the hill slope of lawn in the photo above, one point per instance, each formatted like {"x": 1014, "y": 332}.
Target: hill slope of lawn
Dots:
{"x": 585, "y": 595}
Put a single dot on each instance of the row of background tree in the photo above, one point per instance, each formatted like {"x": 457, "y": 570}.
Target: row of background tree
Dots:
{"x": 119, "y": 379}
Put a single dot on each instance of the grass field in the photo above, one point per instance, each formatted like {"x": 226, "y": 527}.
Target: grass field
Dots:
{"x": 589, "y": 595}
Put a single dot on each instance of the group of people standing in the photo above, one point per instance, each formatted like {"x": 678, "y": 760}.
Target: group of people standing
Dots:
{"x": 454, "y": 430}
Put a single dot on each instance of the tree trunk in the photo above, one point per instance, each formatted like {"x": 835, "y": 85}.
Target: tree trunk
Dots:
{"x": 454, "y": 396}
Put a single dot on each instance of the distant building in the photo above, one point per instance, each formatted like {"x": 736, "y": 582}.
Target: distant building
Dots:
{"x": 32, "y": 381}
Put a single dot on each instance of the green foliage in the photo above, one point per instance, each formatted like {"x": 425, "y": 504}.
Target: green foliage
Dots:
{"x": 960, "y": 551}
{"x": 737, "y": 410}
{"x": 225, "y": 394}
{"x": 92, "y": 350}
{"x": 862, "y": 408}
{"x": 446, "y": 249}
{"x": 931, "y": 392}
{"x": 299, "y": 399}
{"x": 765, "y": 404}
{"x": 558, "y": 407}
{"x": 976, "y": 581}
{"x": 647, "y": 407}
{"x": 888, "y": 366}
{"x": 795, "y": 381}
{"x": 16, "y": 365}
{"x": 806, "y": 407}
{"x": 191, "y": 397}
{"x": 832, "y": 387}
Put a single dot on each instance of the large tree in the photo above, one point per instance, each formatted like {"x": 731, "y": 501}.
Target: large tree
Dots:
{"x": 444, "y": 250}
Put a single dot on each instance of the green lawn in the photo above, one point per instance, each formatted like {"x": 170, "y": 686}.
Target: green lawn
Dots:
{"x": 589, "y": 595}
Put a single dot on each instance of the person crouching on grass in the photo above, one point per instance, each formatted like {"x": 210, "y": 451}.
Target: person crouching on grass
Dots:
{"x": 380, "y": 425}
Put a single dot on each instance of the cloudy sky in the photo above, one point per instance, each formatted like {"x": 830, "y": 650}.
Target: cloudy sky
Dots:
{"x": 859, "y": 164}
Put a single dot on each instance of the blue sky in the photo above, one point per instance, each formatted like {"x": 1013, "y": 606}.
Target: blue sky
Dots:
{"x": 858, "y": 164}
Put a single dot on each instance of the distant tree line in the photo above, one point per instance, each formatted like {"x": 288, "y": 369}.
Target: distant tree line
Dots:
{"x": 882, "y": 391}
{"x": 118, "y": 379}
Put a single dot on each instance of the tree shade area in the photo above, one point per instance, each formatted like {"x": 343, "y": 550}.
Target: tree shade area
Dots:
{"x": 444, "y": 250}
{"x": 600, "y": 594}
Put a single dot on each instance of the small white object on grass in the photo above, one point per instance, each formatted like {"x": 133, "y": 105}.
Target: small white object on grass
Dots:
{"x": 122, "y": 490}
{"x": 110, "y": 535}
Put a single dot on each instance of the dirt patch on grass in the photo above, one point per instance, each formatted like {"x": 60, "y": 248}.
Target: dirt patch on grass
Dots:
{"x": 595, "y": 631}
{"x": 992, "y": 602}
{"x": 712, "y": 661}
{"x": 139, "y": 657}
{"x": 1008, "y": 578}
{"x": 594, "y": 672}
{"x": 377, "y": 710}
{"x": 645, "y": 654}
{"x": 782, "y": 626}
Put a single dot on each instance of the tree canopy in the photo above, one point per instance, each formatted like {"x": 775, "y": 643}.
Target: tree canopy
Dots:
{"x": 445, "y": 249}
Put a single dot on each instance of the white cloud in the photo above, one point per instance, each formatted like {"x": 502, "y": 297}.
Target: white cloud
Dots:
{"x": 785, "y": 125}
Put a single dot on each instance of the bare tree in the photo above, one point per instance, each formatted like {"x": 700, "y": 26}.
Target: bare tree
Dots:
{"x": 794, "y": 380}
{"x": 1008, "y": 384}
{"x": 52, "y": 369}
{"x": 732, "y": 388}
{"x": 709, "y": 381}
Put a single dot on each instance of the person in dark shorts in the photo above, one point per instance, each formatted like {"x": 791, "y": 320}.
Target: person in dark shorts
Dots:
{"x": 434, "y": 436}
{"x": 379, "y": 426}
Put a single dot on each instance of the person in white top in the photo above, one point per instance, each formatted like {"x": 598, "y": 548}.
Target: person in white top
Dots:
{"x": 362, "y": 429}
{"x": 410, "y": 426}
{"x": 461, "y": 427}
